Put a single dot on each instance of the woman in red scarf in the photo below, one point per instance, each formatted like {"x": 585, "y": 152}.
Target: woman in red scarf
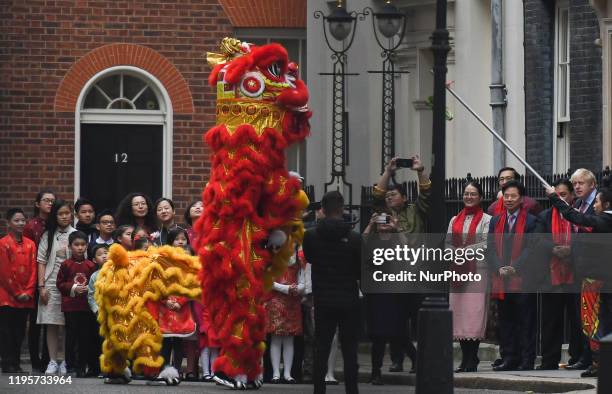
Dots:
{"x": 468, "y": 301}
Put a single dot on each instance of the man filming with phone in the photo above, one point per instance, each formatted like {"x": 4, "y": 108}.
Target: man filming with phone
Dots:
{"x": 411, "y": 218}
{"x": 403, "y": 217}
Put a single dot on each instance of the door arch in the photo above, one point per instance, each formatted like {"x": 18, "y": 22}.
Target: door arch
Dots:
{"x": 120, "y": 101}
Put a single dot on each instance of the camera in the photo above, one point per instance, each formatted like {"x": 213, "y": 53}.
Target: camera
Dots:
{"x": 404, "y": 163}
{"x": 383, "y": 218}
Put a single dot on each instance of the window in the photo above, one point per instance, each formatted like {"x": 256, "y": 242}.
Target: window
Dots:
{"x": 562, "y": 62}
{"x": 121, "y": 91}
{"x": 561, "y": 88}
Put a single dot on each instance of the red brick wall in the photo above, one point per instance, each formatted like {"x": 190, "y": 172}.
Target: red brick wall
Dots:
{"x": 41, "y": 42}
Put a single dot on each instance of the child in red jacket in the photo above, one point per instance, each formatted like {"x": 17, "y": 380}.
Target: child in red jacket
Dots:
{"x": 17, "y": 281}
{"x": 72, "y": 280}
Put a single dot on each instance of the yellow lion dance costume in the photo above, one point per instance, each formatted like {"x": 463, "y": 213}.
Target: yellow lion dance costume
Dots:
{"x": 252, "y": 207}
{"x": 126, "y": 282}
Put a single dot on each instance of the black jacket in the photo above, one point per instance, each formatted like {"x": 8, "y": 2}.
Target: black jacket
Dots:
{"x": 334, "y": 251}
{"x": 532, "y": 225}
{"x": 590, "y": 251}
{"x": 546, "y": 245}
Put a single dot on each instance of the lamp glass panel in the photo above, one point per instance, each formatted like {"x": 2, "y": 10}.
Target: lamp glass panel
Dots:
{"x": 389, "y": 27}
{"x": 340, "y": 30}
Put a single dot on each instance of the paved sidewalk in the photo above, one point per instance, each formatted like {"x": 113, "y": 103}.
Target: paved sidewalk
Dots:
{"x": 560, "y": 381}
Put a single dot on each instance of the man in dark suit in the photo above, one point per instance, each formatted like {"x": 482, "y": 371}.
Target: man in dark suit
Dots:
{"x": 585, "y": 189}
{"x": 508, "y": 252}
{"x": 559, "y": 284}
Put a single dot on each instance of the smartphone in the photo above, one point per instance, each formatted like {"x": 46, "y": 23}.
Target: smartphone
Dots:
{"x": 383, "y": 218}
{"x": 314, "y": 206}
{"x": 404, "y": 163}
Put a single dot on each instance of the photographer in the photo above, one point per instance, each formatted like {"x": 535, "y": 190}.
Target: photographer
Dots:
{"x": 409, "y": 218}
{"x": 334, "y": 252}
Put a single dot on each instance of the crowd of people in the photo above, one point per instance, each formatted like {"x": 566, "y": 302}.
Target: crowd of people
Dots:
{"x": 49, "y": 265}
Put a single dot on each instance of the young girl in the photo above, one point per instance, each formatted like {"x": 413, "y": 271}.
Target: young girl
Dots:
{"x": 175, "y": 318}
{"x": 99, "y": 253}
{"x": 285, "y": 318}
{"x": 136, "y": 210}
{"x": 193, "y": 213}
{"x": 208, "y": 344}
{"x": 34, "y": 230}
{"x": 164, "y": 210}
{"x": 123, "y": 236}
{"x": 52, "y": 251}
{"x": 179, "y": 238}
{"x": 140, "y": 239}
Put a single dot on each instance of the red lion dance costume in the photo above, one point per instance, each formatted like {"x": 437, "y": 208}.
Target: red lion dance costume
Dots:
{"x": 250, "y": 198}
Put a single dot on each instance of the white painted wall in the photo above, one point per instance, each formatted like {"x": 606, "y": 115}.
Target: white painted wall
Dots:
{"x": 469, "y": 145}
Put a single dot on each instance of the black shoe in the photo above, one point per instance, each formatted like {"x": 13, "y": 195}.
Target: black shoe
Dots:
{"x": 505, "y": 366}
{"x": 466, "y": 369}
{"x": 547, "y": 367}
{"x": 396, "y": 367}
{"x": 191, "y": 377}
{"x": 525, "y": 367}
{"x": 591, "y": 372}
{"x": 497, "y": 362}
{"x": 289, "y": 380}
{"x": 580, "y": 365}
{"x": 92, "y": 373}
{"x": 376, "y": 380}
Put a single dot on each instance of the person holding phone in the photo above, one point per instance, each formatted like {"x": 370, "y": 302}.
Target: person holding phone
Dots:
{"x": 411, "y": 219}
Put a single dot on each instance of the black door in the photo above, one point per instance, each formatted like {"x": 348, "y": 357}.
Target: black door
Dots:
{"x": 120, "y": 159}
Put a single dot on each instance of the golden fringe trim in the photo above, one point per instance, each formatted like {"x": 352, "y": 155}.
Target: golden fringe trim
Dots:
{"x": 125, "y": 283}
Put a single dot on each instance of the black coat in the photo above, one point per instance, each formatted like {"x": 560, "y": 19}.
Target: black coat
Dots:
{"x": 546, "y": 245}
{"x": 591, "y": 252}
{"x": 334, "y": 251}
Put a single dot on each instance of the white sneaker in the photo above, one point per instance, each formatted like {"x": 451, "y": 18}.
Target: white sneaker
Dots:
{"x": 52, "y": 368}
{"x": 62, "y": 368}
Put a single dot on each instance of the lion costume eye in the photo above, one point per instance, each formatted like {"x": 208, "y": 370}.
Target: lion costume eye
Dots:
{"x": 274, "y": 70}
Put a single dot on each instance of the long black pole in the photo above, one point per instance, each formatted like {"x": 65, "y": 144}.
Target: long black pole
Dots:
{"x": 435, "y": 346}
{"x": 440, "y": 47}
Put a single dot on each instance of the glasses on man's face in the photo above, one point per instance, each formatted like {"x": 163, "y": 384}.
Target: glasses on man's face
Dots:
{"x": 47, "y": 200}
{"x": 107, "y": 222}
{"x": 139, "y": 204}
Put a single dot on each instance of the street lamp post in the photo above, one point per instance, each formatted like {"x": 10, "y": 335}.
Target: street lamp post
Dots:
{"x": 342, "y": 26}
{"x": 390, "y": 23}
{"x": 435, "y": 350}
{"x": 440, "y": 47}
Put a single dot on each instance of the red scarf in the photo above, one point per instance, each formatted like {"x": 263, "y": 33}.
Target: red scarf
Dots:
{"x": 514, "y": 284}
{"x": 499, "y": 208}
{"x": 560, "y": 272}
{"x": 459, "y": 242}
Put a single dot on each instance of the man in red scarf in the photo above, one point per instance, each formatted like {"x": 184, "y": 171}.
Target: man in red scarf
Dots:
{"x": 504, "y": 176}
{"x": 507, "y": 255}
{"x": 561, "y": 284}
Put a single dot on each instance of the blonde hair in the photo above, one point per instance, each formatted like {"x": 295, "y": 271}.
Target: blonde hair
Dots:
{"x": 583, "y": 173}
